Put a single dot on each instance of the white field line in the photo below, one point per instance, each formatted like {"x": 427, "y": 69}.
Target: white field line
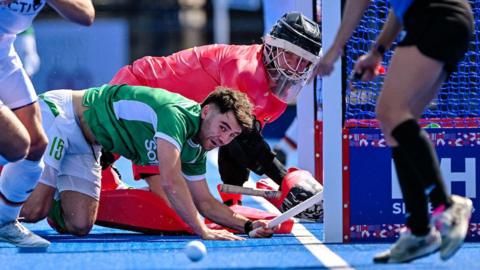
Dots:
{"x": 327, "y": 257}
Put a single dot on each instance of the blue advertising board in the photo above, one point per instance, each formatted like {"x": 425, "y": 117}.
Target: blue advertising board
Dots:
{"x": 377, "y": 211}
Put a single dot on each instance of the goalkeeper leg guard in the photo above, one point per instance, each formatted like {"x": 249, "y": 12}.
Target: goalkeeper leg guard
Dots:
{"x": 298, "y": 186}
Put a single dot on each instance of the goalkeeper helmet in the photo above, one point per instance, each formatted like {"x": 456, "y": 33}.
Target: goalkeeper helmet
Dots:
{"x": 291, "y": 51}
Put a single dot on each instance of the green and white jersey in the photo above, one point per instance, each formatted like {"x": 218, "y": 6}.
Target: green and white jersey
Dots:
{"x": 127, "y": 120}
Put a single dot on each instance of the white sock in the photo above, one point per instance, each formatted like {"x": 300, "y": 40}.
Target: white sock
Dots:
{"x": 3, "y": 161}
{"x": 17, "y": 181}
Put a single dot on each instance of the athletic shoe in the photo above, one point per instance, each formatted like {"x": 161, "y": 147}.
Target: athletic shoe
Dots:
{"x": 410, "y": 247}
{"x": 16, "y": 234}
{"x": 453, "y": 225}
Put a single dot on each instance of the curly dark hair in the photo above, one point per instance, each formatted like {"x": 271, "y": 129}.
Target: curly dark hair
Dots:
{"x": 228, "y": 99}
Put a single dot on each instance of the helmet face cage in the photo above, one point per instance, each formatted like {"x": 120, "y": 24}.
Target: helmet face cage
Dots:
{"x": 291, "y": 52}
{"x": 289, "y": 67}
{"x": 289, "y": 64}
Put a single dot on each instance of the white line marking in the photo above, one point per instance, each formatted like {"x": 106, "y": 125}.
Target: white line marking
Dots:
{"x": 327, "y": 257}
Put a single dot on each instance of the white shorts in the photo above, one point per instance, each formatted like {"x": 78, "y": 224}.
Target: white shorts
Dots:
{"x": 68, "y": 152}
{"x": 16, "y": 88}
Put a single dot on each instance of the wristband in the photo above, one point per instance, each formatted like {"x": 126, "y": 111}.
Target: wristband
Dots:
{"x": 379, "y": 49}
{"x": 248, "y": 227}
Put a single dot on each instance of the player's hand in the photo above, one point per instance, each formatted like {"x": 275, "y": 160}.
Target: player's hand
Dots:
{"x": 324, "y": 67}
{"x": 367, "y": 66}
{"x": 261, "y": 229}
{"x": 209, "y": 234}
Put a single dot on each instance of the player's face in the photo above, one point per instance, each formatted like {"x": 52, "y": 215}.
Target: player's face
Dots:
{"x": 292, "y": 63}
{"x": 217, "y": 129}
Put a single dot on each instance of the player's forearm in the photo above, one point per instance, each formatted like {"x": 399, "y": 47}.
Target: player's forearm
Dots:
{"x": 180, "y": 198}
{"x": 77, "y": 11}
{"x": 221, "y": 214}
{"x": 352, "y": 14}
{"x": 390, "y": 31}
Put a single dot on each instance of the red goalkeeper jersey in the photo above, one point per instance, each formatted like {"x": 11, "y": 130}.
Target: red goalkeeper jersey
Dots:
{"x": 194, "y": 73}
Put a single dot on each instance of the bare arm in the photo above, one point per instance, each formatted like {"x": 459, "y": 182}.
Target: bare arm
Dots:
{"x": 77, "y": 11}
{"x": 172, "y": 184}
{"x": 390, "y": 31}
{"x": 175, "y": 187}
{"x": 352, "y": 14}
{"x": 220, "y": 213}
{"x": 213, "y": 209}
{"x": 368, "y": 64}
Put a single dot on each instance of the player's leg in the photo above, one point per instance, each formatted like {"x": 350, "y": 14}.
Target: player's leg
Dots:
{"x": 14, "y": 138}
{"x": 79, "y": 187}
{"x": 78, "y": 210}
{"x": 40, "y": 201}
{"x": 17, "y": 93}
{"x": 19, "y": 178}
{"x": 288, "y": 144}
{"x": 250, "y": 151}
{"x": 412, "y": 150}
{"x": 13, "y": 193}
{"x": 31, "y": 118}
{"x": 439, "y": 45}
{"x": 231, "y": 172}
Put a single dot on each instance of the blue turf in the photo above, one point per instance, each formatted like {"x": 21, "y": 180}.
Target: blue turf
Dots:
{"x": 108, "y": 248}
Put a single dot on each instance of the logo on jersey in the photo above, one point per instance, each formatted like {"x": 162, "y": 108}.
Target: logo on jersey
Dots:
{"x": 23, "y": 7}
{"x": 151, "y": 147}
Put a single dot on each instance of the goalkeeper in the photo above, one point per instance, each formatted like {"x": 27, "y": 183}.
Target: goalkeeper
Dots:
{"x": 270, "y": 74}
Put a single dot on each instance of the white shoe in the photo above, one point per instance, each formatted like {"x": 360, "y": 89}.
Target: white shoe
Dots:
{"x": 16, "y": 234}
{"x": 410, "y": 247}
{"x": 453, "y": 225}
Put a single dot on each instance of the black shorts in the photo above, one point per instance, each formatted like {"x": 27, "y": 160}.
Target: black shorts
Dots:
{"x": 441, "y": 29}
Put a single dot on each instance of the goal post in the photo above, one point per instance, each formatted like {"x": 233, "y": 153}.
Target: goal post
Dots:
{"x": 332, "y": 130}
{"x": 362, "y": 200}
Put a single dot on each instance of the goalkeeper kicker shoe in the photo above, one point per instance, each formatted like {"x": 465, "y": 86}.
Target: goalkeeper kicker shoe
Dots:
{"x": 410, "y": 247}
{"x": 16, "y": 234}
{"x": 453, "y": 225}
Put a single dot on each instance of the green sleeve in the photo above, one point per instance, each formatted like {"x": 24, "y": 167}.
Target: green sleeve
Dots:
{"x": 197, "y": 170}
{"x": 171, "y": 126}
